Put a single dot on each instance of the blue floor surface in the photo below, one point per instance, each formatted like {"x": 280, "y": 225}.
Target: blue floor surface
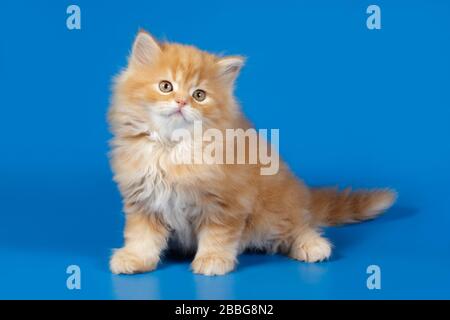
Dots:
{"x": 76, "y": 221}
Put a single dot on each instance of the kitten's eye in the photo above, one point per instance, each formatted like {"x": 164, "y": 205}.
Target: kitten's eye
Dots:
{"x": 165, "y": 86}
{"x": 199, "y": 95}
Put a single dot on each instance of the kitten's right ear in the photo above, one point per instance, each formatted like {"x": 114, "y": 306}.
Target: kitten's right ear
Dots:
{"x": 145, "y": 49}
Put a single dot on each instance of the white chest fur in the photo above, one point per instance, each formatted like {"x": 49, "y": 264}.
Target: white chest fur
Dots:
{"x": 149, "y": 182}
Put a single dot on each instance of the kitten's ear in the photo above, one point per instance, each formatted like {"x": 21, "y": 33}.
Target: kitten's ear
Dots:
{"x": 145, "y": 49}
{"x": 229, "y": 68}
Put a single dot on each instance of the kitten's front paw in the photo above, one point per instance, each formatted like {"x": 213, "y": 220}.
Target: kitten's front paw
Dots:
{"x": 313, "y": 250}
{"x": 127, "y": 262}
{"x": 212, "y": 265}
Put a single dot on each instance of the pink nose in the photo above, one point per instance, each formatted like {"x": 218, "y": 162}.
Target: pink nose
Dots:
{"x": 181, "y": 102}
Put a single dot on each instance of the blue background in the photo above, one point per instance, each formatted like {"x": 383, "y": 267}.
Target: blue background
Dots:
{"x": 354, "y": 107}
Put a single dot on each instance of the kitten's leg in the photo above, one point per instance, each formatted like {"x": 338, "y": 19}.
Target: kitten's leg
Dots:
{"x": 145, "y": 238}
{"x": 217, "y": 247}
{"x": 310, "y": 246}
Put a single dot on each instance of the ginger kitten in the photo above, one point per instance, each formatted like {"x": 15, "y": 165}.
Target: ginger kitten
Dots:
{"x": 214, "y": 210}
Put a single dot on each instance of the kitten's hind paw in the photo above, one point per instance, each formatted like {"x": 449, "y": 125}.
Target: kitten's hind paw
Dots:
{"x": 127, "y": 262}
{"x": 311, "y": 248}
{"x": 212, "y": 265}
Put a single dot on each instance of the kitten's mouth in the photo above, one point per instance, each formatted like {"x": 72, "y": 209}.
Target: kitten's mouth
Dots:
{"x": 178, "y": 113}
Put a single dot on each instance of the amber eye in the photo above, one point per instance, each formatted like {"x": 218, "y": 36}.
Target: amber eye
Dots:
{"x": 199, "y": 95}
{"x": 165, "y": 86}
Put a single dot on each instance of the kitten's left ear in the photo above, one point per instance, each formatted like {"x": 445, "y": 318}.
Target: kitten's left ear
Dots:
{"x": 145, "y": 49}
{"x": 229, "y": 68}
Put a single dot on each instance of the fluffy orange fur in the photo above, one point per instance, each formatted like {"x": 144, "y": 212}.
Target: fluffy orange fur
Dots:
{"x": 216, "y": 211}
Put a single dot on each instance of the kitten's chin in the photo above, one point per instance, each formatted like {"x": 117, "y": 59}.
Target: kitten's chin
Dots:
{"x": 166, "y": 125}
{"x": 175, "y": 120}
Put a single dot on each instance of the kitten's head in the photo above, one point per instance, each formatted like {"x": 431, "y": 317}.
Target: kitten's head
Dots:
{"x": 171, "y": 85}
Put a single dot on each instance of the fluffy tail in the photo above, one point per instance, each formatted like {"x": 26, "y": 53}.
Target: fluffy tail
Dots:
{"x": 330, "y": 207}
